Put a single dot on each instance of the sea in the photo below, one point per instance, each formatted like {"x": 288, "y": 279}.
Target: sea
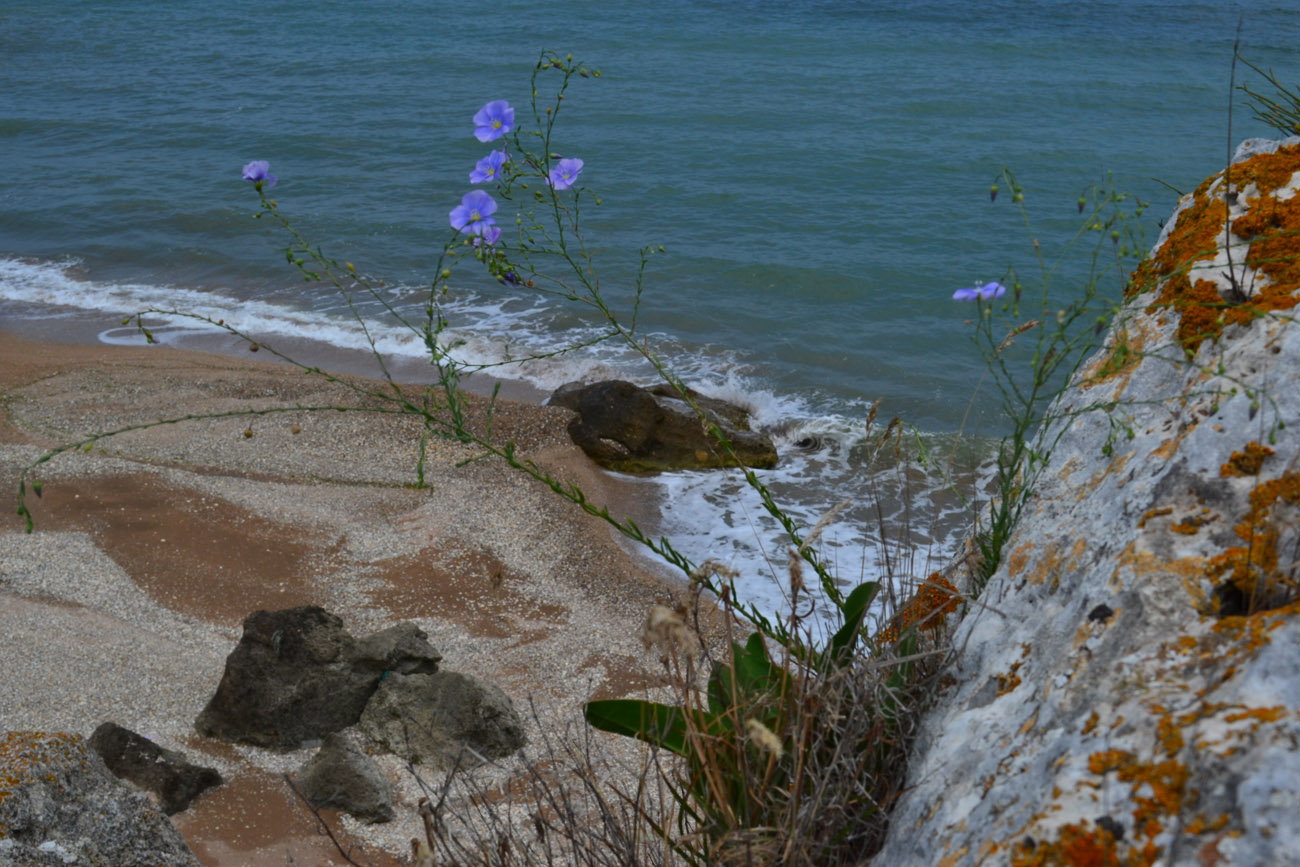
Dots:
{"x": 818, "y": 173}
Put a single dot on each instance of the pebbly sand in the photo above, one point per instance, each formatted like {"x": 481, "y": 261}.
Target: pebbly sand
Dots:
{"x": 151, "y": 549}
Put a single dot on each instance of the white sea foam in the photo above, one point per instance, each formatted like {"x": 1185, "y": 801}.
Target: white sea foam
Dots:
{"x": 706, "y": 514}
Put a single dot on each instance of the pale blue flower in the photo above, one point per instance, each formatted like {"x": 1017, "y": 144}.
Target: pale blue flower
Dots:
{"x": 490, "y": 235}
{"x": 494, "y": 120}
{"x": 565, "y": 173}
{"x": 258, "y": 171}
{"x": 474, "y": 214}
{"x": 985, "y": 292}
{"x": 487, "y": 168}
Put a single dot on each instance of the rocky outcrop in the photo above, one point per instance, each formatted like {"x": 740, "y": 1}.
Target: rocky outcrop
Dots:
{"x": 340, "y": 776}
{"x": 630, "y": 429}
{"x": 1127, "y": 691}
{"x": 60, "y": 805}
{"x": 172, "y": 779}
{"x": 297, "y": 675}
{"x": 443, "y": 719}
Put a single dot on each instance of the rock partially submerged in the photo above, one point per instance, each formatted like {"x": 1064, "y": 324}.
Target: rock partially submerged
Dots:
{"x": 60, "y": 805}
{"x": 1127, "y": 692}
{"x": 630, "y": 429}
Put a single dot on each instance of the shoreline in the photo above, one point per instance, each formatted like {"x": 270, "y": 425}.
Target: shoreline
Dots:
{"x": 150, "y": 550}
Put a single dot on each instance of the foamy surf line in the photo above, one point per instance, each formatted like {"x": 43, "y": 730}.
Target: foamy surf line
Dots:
{"x": 708, "y": 515}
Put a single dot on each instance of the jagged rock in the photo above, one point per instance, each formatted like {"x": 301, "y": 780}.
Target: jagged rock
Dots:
{"x": 169, "y": 775}
{"x": 1127, "y": 689}
{"x": 60, "y": 805}
{"x": 297, "y": 675}
{"x": 403, "y": 649}
{"x": 443, "y": 719}
{"x": 630, "y": 429}
{"x": 342, "y": 777}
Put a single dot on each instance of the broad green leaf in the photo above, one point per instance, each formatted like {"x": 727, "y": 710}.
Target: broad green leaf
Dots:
{"x": 846, "y": 638}
{"x": 658, "y": 724}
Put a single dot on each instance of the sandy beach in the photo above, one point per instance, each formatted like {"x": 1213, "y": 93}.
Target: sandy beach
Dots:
{"x": 151, "y": 548}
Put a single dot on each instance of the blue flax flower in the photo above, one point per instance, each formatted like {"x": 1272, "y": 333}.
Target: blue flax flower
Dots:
{"x": 985, "y": 292}
{"x": 494, "y": 120}
{"x": 258, "y": 171}
{"x": 474, "y": 214}
{"x": 565, "y": 173}
{"x": 487, "y": 168}
{"x": 490, "y": 235}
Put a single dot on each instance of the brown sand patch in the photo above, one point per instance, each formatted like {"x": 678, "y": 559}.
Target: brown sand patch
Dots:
{"x": 623, "y": 677}
{"x": 192, "y": 553}
{"x": 473, "y": 589}
{"x": 254, "y": 820}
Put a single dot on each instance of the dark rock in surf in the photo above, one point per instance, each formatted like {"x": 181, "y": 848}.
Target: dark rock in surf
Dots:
{"x": 630, "y": 429}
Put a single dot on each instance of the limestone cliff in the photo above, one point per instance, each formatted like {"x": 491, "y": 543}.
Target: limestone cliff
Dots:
{"x": 1129, "y": 693}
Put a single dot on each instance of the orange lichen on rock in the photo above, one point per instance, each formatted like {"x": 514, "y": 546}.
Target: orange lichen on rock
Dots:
{"x": 1189, "y": 570}
{"x": 1158, "y": 787}
{"x": 1246, "y": 462}
{"x": 1153, "y": 513}
{"x": 934, "y": 600}
{"x": 1194, "y": 237}
{"x": 1009, "y": 681}
{"x": 1122, "y": 357}
{"x": 1190, "y": 525}
{"x": 1272, "y": 226}
{"x": 1018, "y": 559}
{"x": 22, "y": 752}
{"x": 1079, "y": 845}
{"x": 1252, "y": 568}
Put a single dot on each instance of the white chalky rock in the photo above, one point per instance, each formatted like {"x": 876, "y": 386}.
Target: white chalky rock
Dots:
{"x": 1131, "y": 691}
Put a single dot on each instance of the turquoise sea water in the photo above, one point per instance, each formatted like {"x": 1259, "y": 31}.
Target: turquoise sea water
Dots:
{"x": 817, "y": 171}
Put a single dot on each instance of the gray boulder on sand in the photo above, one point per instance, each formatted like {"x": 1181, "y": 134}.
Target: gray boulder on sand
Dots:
{"x": 60, "y": 805}
{"x": 443, "y": 719}
{"x": 297, "y": 675}
{"x": 166, "y": 773}
{"x": 630, "y": 429}
{"x": 340, "y": 776}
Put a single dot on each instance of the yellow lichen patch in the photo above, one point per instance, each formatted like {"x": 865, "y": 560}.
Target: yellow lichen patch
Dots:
{"x": 1246, "y": 462}
{"x": 1252, "y": 568}
{"x": 1272, "y": 225}
{"x": 934, "y": 600}
{"x": 1091, "y": 724}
